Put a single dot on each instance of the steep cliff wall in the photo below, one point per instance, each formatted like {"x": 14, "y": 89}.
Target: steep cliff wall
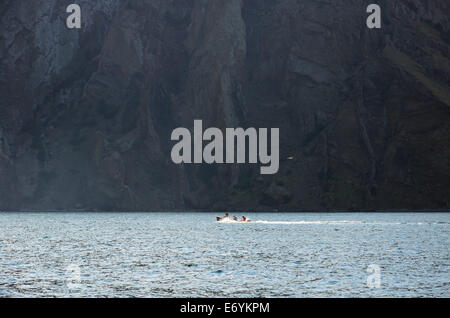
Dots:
{"x": 86, "y": 115}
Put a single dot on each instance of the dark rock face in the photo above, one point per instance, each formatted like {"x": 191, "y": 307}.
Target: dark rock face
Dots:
{"x": 86, "y": 115}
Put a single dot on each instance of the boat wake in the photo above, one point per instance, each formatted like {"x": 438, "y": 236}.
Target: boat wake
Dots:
{"x": 309, "y": 222}
{"x": 342, "y": 222}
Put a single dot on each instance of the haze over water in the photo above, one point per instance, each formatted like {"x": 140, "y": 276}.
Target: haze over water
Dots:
{"x": 190, "y": 254}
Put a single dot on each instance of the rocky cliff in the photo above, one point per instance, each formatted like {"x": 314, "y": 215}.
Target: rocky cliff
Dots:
{"x": 86, "y": 115}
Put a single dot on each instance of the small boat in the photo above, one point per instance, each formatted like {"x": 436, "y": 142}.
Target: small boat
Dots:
{"x": 231, "y": 220}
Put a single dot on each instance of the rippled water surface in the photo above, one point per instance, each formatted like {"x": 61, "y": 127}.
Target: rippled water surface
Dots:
{"x": 189, "y": 254}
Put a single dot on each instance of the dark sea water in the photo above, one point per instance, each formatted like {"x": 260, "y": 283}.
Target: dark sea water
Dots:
{"x": 190, "y": 255}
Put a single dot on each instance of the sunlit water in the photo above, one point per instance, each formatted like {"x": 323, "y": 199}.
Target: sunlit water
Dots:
{"x": 191, "y": 255}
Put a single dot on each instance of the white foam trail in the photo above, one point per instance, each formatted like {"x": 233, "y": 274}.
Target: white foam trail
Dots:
{"x": 342, "y": 222}
{"x": 309, "y": 222}
{"x": 229, "y": 220}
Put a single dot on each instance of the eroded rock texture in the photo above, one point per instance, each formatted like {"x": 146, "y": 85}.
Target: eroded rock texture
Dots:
{"x": 86, "y": 115}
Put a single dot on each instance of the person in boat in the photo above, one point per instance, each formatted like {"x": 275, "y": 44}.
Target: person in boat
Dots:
{"x": 221, "y": 218}
{"x": 244, "y": 219}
